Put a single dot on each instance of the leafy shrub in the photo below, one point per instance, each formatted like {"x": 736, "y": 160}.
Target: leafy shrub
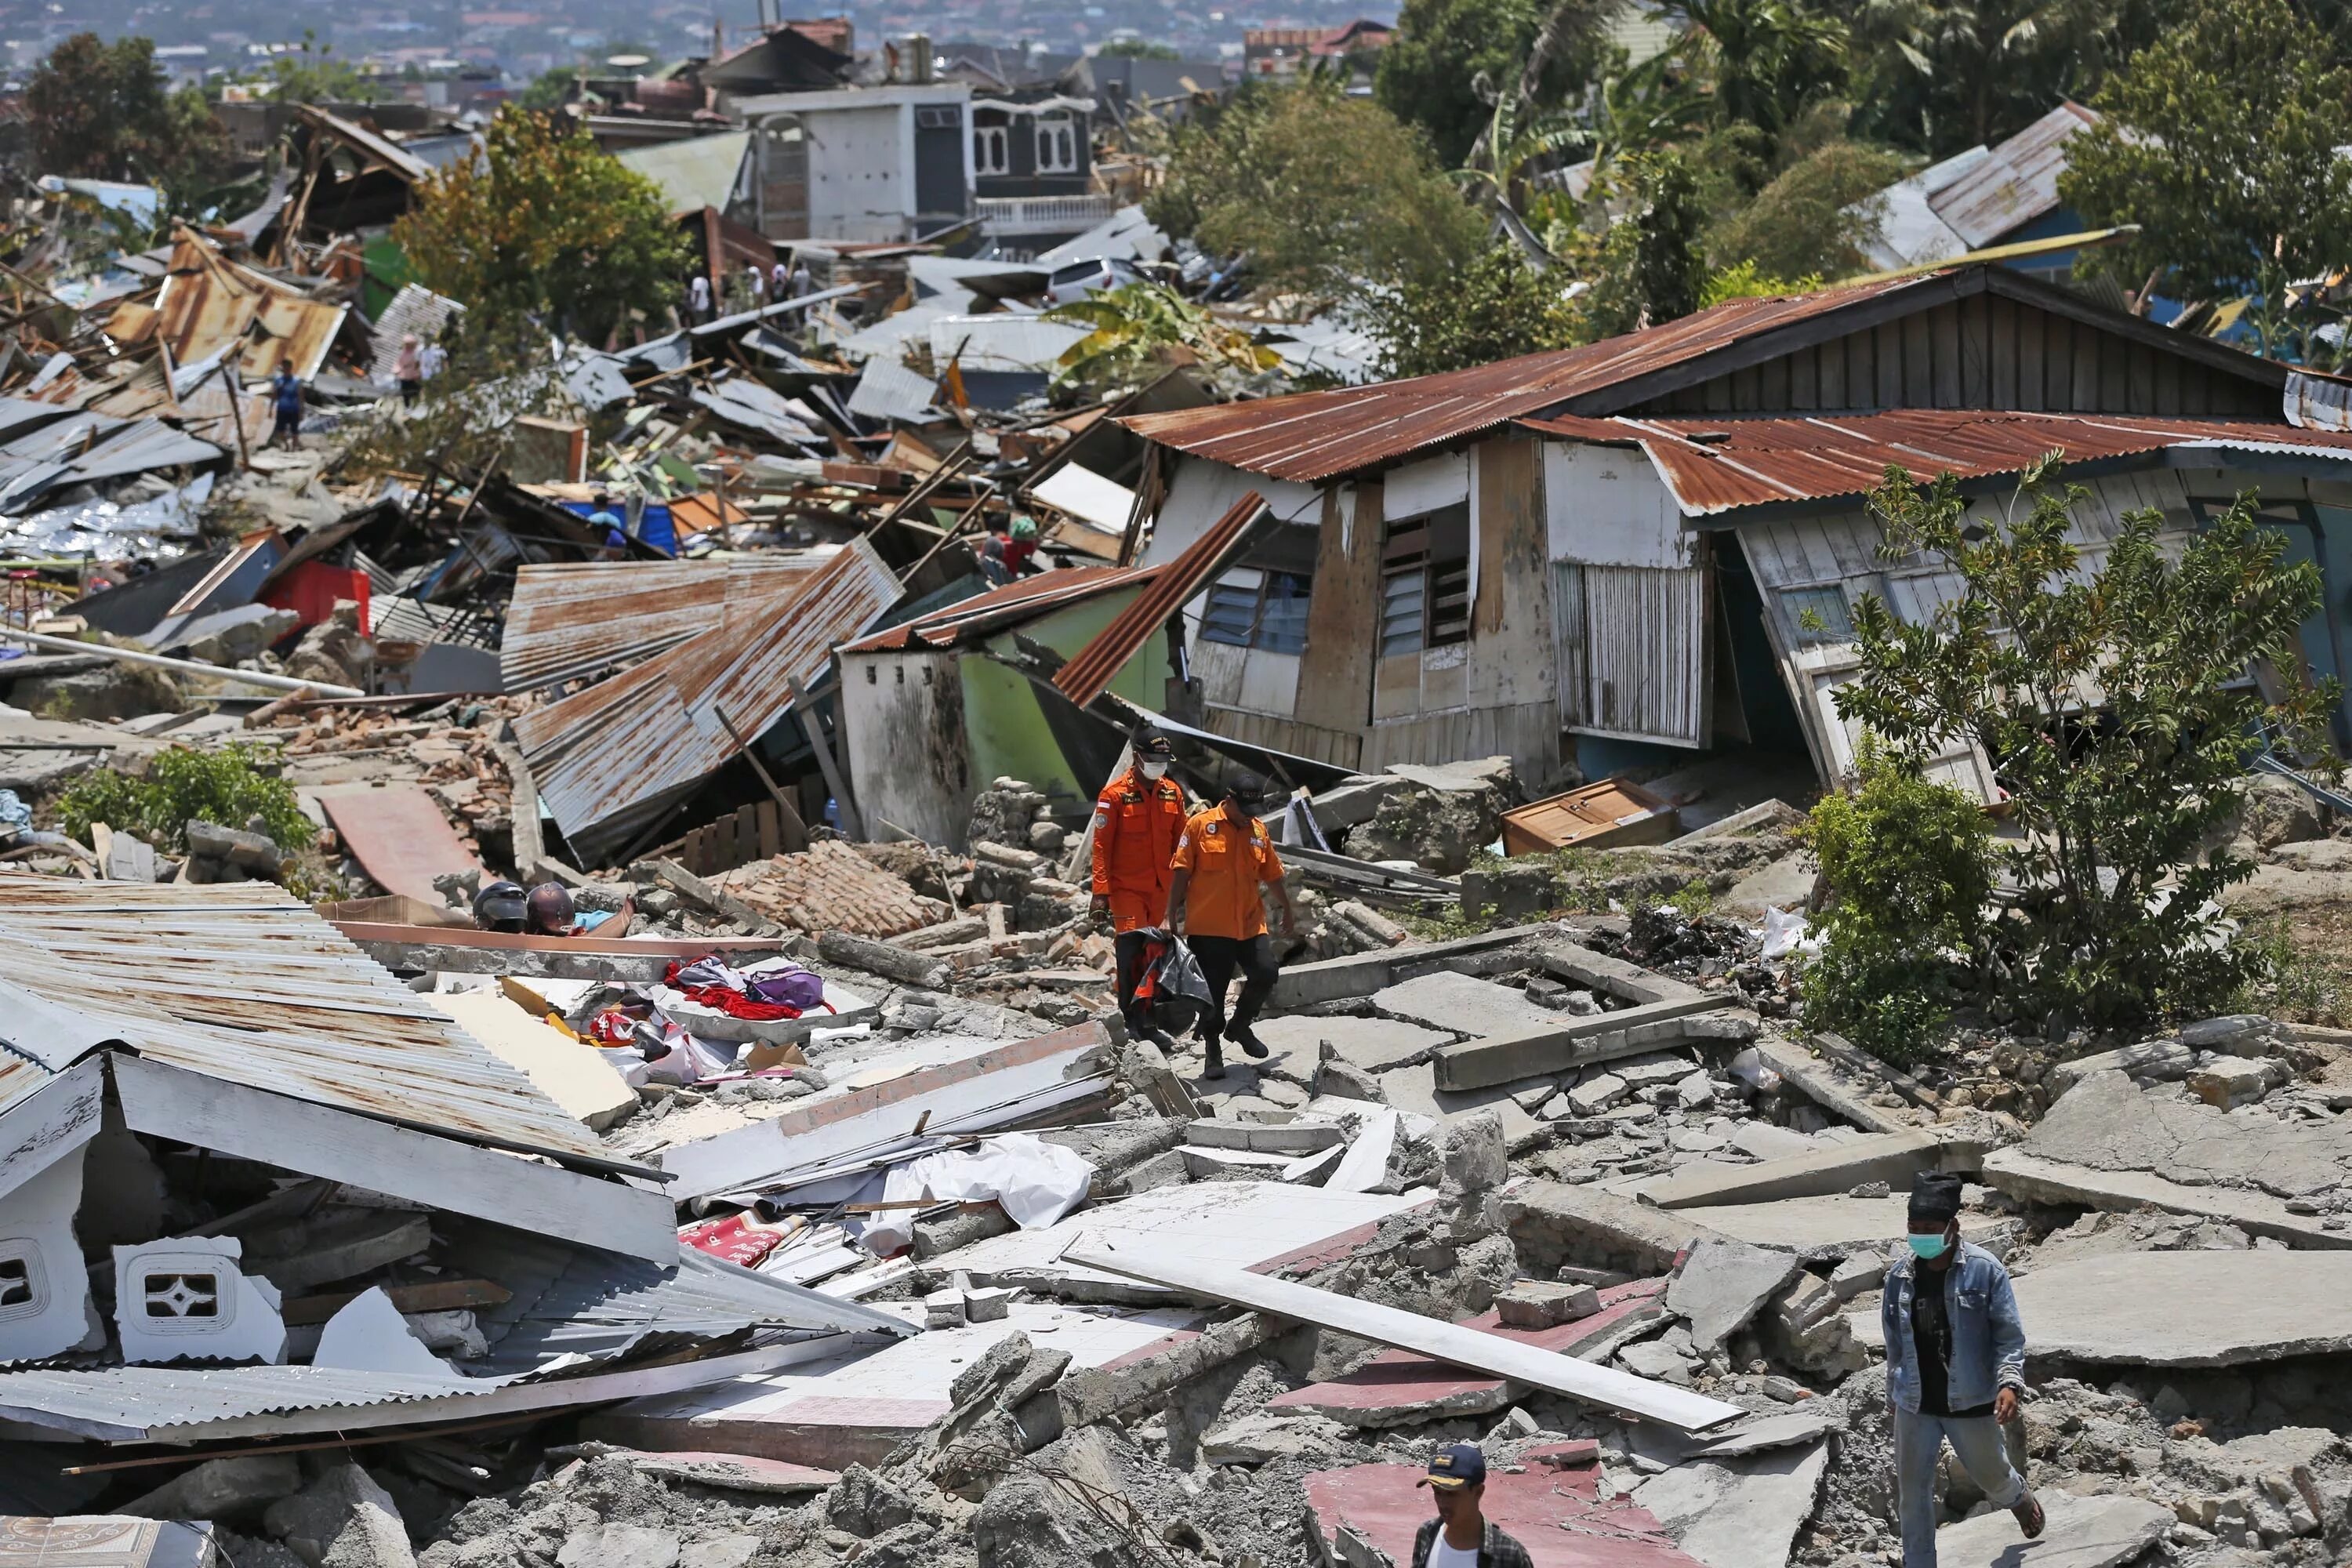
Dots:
{"x": 1910, "y": 863}
{"x": 225, "y": 787}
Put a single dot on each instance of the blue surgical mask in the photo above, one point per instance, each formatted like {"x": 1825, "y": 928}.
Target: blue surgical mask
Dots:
{"x": 1930, "y": 1245}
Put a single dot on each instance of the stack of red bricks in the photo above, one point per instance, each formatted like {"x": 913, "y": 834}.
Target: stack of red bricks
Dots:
{"x": 831, "y": 887}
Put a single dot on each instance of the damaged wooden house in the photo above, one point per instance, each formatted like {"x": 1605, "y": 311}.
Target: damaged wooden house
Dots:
{"x": 251, "y": 1186}
{"x": 1644, "y": 551}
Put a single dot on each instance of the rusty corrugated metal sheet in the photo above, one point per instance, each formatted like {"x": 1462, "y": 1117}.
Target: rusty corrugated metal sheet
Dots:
{"x": 983, "y": 614}
{"x": 207, "y": 301}
{"x": 607, "y": 759}
{"x": 1719, "y": 464}
{"x": 1312, "y": 435}
{"x": 575, "y": 619}
{"x": 361, "y": 140}
{"x": 2017, "y": 182}
{"x": 245, "y": 983}
{"x": 1092, "y": 668}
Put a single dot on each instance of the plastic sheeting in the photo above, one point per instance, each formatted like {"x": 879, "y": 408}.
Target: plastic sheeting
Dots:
{"x": 1036, "y": 1182}
{"x": 160, "y": 528}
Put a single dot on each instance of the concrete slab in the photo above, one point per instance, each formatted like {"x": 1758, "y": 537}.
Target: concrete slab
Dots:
{"x": 1403, "y": 1388}
{"x": 1723, "y": 1284}
{"x": 1560, "y": 1044}
{"x": 2189, "y": 1309}
{"x": 2149, "y": 1059}
{"x": 1464, "y": 1004}
{"x": 1818, "y": 1228}
{"x": 1258, "y": 1226}
{"x": 1738, "y": 1514}
{"x": 2081, "y": 1532}
{"x": 2107, "y": 1123}
{"x": 857, "y": 1405}
{"x": 1374, "y": 1044}
{"x": 2037, "y": 1180}
{"x": 583, "y": 1083}
{"x": 1362, "y": 974}
{"x": 1415, "y": 1090}
{"x": 1890, "y": 1157}
{"x": 1766, "y": 1141}
{"x": 1553, "y": 1507}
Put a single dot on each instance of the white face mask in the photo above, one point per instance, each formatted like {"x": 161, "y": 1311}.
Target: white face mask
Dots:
{"x": 1153, "y": 769}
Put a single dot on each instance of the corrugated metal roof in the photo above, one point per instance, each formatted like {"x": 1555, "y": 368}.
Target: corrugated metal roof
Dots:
{"x": 1314, "y": 435}
{"x": 2016, "y": 183}
{"x": 607, "y": 759}
{"x": 360, "y": 139}
{"x": 1719, "y": 464}
{"x": 84, "y": 448}
{"x": 570, "y": 620}
{"x": 695, "y": 173}
{"x": 207, "y": 301}
{"x": 415, "y": 308}
{"x": 1007, "y": 342}
{"x": 984, "y": 615}
{"x": 886, "y": 389}
{"x": 244, "y": 984}
{"x": 1093, "y": 668}
{"x": 126, "y": 1401}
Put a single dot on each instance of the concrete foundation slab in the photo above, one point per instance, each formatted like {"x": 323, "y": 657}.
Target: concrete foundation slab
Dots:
{"x": 1819, "y": 1228}
{"x": 2036, "y": 1180}
{"x": 1738, "y": 1514}
{"x": 1723, "y": 1284}
{"x": 2107, "y": 1123}
{"x": 2189, "y": 1309}
{"x": 1463, "y": 1004}
{"x": 1374, "y": 1044}
{"x": 2081, "y": 1533}
{"x": 1405, "y": 1388}
{"x": 1890, "y": 1157}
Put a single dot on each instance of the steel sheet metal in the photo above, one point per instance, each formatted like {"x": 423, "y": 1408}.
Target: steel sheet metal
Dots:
{"x": 2016, "y": 183}
{"x": 570, "y": 620}
{"x": 608, "y": 758}
{"x": 1092, "y": 668}
{"x": 245, "y": 983}
{"x": 1719, "y": 464}
{"x": 984, "y": 615}
{"x": 1313, "y": 436}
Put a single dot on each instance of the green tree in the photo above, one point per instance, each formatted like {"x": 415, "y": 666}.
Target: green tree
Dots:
{"x": 1138, "y": 331}
{"x": 1321, "y": 190}
{"x": 103, "y": 112}
{"x": 551, "y": 89}
{"x": 1909, "y": 865}
{"x": 1445, "y": 53}
{"x": 1943, "y": 76}
{"x": 1652, "y": 266}
{"x": 1138, "y": 50}
{"x": 1767, "y": 59}
{"x": 311, "y": 72}
{"x": 1814, "y": 217}
{"x": 2220, "y": 141}
{"x": 2113, "y": 705}
{"x": 1501, "y": 304}
{"x": 544, "y": 227}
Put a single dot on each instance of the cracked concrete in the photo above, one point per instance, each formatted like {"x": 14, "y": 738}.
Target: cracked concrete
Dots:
{"x": 2107, "y": 1123}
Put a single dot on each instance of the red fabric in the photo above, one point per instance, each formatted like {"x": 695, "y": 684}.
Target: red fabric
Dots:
{"x": 734, "y": 1238}
{"x": 734, "y": 1004}
{"x": 612, "y": 1028}
{"x": 311, "y": 589}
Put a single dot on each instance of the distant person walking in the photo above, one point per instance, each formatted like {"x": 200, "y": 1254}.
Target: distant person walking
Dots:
{"x": 755, "y": 286}
{"x": 1955, "y": 1367}
{"x": 408, "y": 370}
{"x": 803, "y": 285}
{"x": 286, "y": 401}
{"x": 697, "y": 297}
{"x": 780, "y": 282}
{"x": 434, "y": 360}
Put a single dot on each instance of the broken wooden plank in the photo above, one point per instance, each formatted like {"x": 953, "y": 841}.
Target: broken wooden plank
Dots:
{"x": 695, "y": 891}
{"x": 1448, "y": 1343}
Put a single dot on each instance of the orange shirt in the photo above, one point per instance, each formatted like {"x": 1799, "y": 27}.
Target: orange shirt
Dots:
{"x": 1228, "y": 865}
{"x": 1137, "y": 823}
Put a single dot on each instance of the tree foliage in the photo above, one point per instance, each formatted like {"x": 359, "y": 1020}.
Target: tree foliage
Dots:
{"x": 105, "y": 112}
{"x": 1499, "y": 305}
{"x": 1943, "y": 76}
{"x": 229, "y": 786}
{"x": 2220, "y": 141}
{"x": 1138, "y": 50}
{"x": 1767, "y": 59}
{"x": 2112, "y": 702}
{"x": 1652, "y": 268}
{"x": 1445, "y": 52}
{"x": 545, "y": 226}
{"x": 1138, "y": 331}
{"x": 1814, "y": 217}
{"x": 311, "y": 72}
{"x": 1321, "y": 190}
{"x": 1902, "y": 941}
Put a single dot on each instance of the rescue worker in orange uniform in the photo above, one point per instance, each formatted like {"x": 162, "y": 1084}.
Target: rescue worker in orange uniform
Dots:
{"x": 1137, "y": 819}
{"x": 1222, "y": 860}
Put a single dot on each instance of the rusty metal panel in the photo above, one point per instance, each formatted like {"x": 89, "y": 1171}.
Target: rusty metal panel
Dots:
{"x": 984, "y": 615}
{"x": 207, "y": 302}
{"x": 608, "y": 758}
{"x": 243, "y": 983}
{"x": 1314, "y": 435}
{"x": 573, "y": 619}
{"x": 2016, "y": 183}
{"x": 1719, "y": 464}
{"x": 1091, "y": 669}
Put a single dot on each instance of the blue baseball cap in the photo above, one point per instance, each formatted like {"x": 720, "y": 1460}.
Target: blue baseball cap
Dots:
{"x": 1454, "y": 1467}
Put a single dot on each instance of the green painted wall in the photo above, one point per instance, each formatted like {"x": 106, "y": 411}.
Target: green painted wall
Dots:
{"x": 1003, "y": 723}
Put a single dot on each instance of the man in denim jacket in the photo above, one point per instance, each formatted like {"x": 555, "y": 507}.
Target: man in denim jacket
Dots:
{"x": 1955, "y": 1367}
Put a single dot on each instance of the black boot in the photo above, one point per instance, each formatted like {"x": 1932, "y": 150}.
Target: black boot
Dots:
{"x": 1216, "y": 1066}
{"x": 1246, "y": 1037}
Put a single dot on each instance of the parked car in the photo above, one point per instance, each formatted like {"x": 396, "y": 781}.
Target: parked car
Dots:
{"x": 1080, "y": 278}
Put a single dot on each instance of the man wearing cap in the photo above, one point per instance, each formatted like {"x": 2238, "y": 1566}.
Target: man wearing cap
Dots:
{"x": 1222, "y": 858}
{"x": 1955, "y": 1367}
{"x": 1138, "y": 818}
{"x": 1461, "y": 1536}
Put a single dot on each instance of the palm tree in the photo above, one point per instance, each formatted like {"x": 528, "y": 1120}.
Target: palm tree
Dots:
{"x": 1139, "y": 330}
{"x": 1768, "y": 58}
{"x": 1947, "y": 75}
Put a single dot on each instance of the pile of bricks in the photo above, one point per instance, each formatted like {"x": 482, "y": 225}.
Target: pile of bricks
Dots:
{"x": 830, "y": 886}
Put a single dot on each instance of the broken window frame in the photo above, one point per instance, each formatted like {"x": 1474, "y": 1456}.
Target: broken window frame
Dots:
{"x": 1235, "y": 613}
{"x": 1425, "y": 582}
{"x": 991, "y": 150}
{"x": 1057, "y": 143}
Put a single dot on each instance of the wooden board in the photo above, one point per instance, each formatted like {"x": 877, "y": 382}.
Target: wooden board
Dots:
{"x": 1612, "y": 812}
{"x": 399, "y": 835}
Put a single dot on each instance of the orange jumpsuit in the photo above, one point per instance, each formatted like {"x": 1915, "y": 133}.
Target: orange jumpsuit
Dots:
{"x": 1137, "y": 824}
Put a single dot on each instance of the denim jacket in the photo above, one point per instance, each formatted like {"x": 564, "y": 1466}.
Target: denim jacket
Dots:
{"x": 1987, "y": 1338}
